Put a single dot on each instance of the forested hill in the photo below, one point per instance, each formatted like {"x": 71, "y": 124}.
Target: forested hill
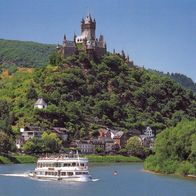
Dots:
{"x": 185, "y": 81}
{"x": 83, "y": 95}
{"x": 24, "y": 53}
{"x": 31, "y": 54}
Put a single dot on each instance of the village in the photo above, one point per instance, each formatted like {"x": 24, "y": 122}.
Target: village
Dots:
{"x": 105, "y": 141}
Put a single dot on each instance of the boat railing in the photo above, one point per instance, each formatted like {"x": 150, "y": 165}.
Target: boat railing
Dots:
{"x": 60, "y": 157}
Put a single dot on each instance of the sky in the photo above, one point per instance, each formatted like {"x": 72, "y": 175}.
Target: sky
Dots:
{"x": 156, "y": 34}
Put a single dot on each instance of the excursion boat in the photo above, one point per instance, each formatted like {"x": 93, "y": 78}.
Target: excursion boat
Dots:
{"x": 69, "y": 167}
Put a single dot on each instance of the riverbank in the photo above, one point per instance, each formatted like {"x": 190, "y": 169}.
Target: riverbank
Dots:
{"x": 17, "y": 159}
{"x": 174, "y": 174}
{"x": 92, "y": 158}
{"x": 112, "y": 158}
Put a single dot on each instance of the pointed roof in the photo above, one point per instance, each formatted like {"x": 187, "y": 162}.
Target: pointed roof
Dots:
{"x": 88, "y": 19}
{"x": 40, "y": 101}
{"x": 118, "y": 135}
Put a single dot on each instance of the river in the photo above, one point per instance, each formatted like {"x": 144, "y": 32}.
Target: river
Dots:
{"x": 130, "y": 181}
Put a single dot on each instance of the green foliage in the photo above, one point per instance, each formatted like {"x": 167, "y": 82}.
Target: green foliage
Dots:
{"x": 55, "y": 58}
{"x": 112, "y": 158}
{"x": 175, "y": 150}
{"x": 5, "y": 116}
{"x": 81, "y": 93}
{"x": 185, "y": 81}
{"x": 51, "y": 143}
{"x": 48, "y": 143}
{"x": 186, "y": 168}
{"x": 24, "y": 158}
{"x": 33, "y": 146}
{"x": 4, "y": 160}
{"x": 23, "y": 53}
{"x": 99, "y": 150}
{"x": 5, "y": 143}
{"x": 15, "y": 158}
{"x": 135, "y": 147}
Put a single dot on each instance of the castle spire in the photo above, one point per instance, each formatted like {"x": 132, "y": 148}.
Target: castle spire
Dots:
{"x": 75, "y": 37}
{"x": 64, "y": 37}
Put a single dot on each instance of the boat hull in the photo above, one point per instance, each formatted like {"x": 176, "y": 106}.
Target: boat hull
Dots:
{"x": 85, "y": 178}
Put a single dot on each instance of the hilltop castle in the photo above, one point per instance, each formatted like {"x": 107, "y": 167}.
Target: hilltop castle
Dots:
{"x": 87, "y": 41}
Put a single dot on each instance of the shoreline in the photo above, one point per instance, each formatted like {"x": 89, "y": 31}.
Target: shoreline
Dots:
{"x": 22, "y": 159}
{"x": 175, "y": 175}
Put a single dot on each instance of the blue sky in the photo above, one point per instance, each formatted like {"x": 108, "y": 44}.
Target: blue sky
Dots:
{"x": 157, "y": 34}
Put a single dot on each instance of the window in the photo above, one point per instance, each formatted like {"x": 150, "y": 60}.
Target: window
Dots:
{"x": 63, "y": 173}
{"x": 67, "y": 164}
{"x": 70, "y": 173}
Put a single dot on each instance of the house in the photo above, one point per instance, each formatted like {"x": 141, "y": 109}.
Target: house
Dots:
{"x": 61, "y": 132}
{"x": 149, "y": 132}
{"x": 40, "y": 104}
{"x": 134, "y": 132}
{"x": 30, "y": 132}
{"x": 109, "y": 145}
{"x": 19, "y": 142}
{"x": 113, "y": 133}
{"x": 98, "y": 143}
{"x": 27, "y": 133}
{"x": 85, "y": 146}
{"x": 104, "y": 133}
{"x": 119, "y": 138}
{"x": 147, "y": 139}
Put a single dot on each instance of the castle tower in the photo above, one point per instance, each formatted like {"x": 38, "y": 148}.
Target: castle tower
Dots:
{"x": 88, "y": 26}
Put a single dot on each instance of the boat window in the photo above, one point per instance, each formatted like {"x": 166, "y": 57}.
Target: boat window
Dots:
{"x": 67, "y": 164}
{"x": 70, "y": 173}
{"x": 57, "y": 165}
{"x": 81, "y": 164}
{"x": 73, "y": 164}
{"x": 63, "y": 173}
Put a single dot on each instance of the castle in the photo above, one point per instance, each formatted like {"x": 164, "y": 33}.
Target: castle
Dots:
{"x": 87, "y": 41}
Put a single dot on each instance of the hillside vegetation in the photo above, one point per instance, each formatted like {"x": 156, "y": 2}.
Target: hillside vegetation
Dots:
{"x": 185, "y": 81}
{"x": 15, "y": 54}
{"x": 175, "y": 150}
{"x": 24, "y": 53}
{"x": 83, "y": 95}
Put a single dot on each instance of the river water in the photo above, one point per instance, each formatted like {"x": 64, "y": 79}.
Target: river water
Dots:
{"x": 130, "y": 181}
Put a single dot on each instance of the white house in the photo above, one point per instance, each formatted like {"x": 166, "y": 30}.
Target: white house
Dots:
{"x": 148, "y": 132}
{"x": 40, "y": 104}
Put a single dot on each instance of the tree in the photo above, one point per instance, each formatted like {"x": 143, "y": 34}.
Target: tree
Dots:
{"x": 135, "y": 147}
{"x": 99, "y": 150}
{"x": 33, "y": 145}
{"x": 51, "y": 143}
{"x": 5, "y": 143}
{"x": 175, "y": 150}
{"x": 55, "y": 58}
{"x": 5, "y": 116}
{"x": 31, "y": 93}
